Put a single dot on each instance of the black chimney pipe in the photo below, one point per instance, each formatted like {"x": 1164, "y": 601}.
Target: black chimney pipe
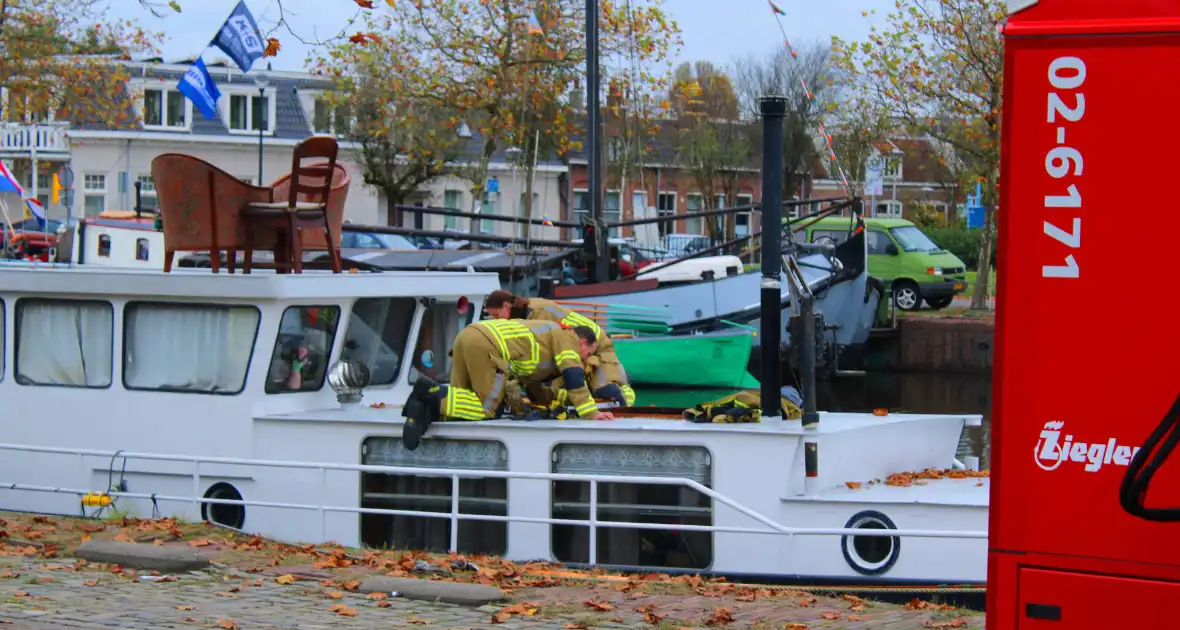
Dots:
{"x": 773, "y": 109}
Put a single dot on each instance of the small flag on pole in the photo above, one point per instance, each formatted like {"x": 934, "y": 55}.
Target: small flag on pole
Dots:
{"x": 8, "y": 181}
{"x": 55, "y": 190}
{"x": 240, "y": 38}
{"x": 34, "y": 209}
{"x": 547, "y": 221}
{"x": 198, "y": 86}
{"x": 774, "y": 7}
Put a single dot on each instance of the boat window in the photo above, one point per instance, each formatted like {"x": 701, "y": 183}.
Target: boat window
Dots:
{"x": 194, "y": 348}
{"x": 634, "y": 503}
{"x": 67, "y": 343}
{"x": 440, "y": 324}
{"x": 104, "y": 245}
{"x": 300, "y": 358}
{"x": 141, "y": 249}
{"x": 378, "y": 332}
{"x": 480, "y": 496}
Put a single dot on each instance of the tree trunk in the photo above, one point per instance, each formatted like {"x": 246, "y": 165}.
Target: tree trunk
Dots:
{"x": 393, "y": 216}
{"x": 477, "y": 190}
{"x": 979, "y": 295}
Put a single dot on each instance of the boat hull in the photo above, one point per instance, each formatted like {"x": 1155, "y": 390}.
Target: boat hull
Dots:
{"x": 708, "y": 360}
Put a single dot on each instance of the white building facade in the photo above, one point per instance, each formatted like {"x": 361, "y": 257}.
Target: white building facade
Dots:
{"x": 281, "y": 109}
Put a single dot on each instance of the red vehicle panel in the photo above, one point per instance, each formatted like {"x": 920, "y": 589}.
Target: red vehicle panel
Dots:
{"x": 1086, "y": 347}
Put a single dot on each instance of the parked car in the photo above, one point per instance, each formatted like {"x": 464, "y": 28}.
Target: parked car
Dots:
{"x": 374, "y": 240}
{"x": 900, "y": 254}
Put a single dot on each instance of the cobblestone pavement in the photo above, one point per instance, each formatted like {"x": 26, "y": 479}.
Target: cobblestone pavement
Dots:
{"x": 40, "y": 594}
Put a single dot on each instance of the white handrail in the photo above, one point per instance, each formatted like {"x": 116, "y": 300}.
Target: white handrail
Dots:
{"x": 454, "y": 515}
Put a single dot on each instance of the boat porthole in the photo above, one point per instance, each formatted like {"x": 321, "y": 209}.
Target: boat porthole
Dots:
{"x": 870, "y": 555}
{"x": 224, "y": 514}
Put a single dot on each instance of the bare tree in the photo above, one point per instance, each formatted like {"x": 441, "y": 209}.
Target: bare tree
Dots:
{"x": 780, "y": 73}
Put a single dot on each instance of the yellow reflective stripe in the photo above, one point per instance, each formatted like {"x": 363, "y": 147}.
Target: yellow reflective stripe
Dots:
{"x": 503, "y": 330}
{"x": 577, "y": 319}
{"x": 628, "y": 395}
{"x": 588, "y": 408}
{"x": 463, "y": 404}
{"x": 567, "y": 355}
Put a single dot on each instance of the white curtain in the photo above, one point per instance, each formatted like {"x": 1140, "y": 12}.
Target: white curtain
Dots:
{"x": 64, "y": 343}
{"x": 188, "y": 347}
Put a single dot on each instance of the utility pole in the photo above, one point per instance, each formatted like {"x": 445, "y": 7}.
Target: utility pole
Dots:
{"x": 594, "y": 146}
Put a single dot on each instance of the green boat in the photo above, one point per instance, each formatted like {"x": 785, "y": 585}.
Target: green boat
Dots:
{"x": 716, "y": 360}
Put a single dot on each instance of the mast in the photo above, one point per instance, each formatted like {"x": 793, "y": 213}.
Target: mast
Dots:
{"x": 593, "y": 144}
{"x": 773, "y": 108}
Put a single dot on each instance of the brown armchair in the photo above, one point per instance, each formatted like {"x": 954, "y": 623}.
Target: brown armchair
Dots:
{"x": 200, "y": 207}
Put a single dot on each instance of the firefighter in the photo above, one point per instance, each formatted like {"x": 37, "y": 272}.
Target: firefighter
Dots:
{"x": 486, "y": 356}
{"x": 607, "y": 376}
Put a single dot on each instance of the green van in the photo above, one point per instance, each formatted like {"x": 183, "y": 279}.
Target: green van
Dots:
{"x": 904, "y": 258}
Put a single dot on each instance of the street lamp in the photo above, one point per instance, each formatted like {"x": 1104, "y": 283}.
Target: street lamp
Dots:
{"x": 262, "y": 81}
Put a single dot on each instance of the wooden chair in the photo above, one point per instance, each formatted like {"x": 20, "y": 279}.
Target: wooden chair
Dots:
{"x": 200, "y": 205}
{"x": 306, "y": 207}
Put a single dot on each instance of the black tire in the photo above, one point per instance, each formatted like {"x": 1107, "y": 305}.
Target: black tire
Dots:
{"x": 906, "y": 295}
{"x": 227, "y": 515}
{"x": 939, "y": 303}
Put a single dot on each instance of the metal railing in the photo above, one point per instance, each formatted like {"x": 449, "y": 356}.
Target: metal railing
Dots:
{"x": 48, "y": 138}
{"x": 454, "y": 515}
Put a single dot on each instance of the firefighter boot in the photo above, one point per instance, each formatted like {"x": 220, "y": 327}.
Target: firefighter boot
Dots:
{"x": 613, "y": 393}
{"x": 420, "y": 410}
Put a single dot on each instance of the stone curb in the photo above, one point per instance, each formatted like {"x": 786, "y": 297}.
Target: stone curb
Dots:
{"x": 428, "y": 590}
{"x": 137, "y": 556}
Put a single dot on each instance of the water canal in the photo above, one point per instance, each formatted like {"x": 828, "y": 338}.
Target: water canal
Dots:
{"x": 899, "y": 393}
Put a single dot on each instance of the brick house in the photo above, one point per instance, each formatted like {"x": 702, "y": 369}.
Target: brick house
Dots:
{"x": 914, "y": 176}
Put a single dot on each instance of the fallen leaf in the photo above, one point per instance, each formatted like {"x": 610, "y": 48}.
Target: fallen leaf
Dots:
{"x": 795, "y": 626}
{"x": 199, "y": 542}
{"x": 351, "y": 585}
{"x": 341, "y": 609}
{"x": 286, "y": 579}
{"x": 9, "y": 574}
{"x": 852, "y": 484}
{"x": 377, "y": 595}
{"x": 831, "y": 615}
{"x": 854, "y": 617}
{"x": 597, "y": 605}
{"x": 157, "y": 542}
{"x": 418, "y": 620}
{"x": 191, "y": 620}
{"x": 86, "y": 537}
{"x": 227, "y": 624}
{"x": 121, "y": 537}
{"x": 335, "y": 594}
{"x": 184, "y": 608}
{"x": 384, "y": 604}
{"x": 575, "y": 626}
{"x": 20, "y": 594}
{"x": 721, "y": 617}
{"x": 229, "y": 595}
{"x": 90, "y": 583}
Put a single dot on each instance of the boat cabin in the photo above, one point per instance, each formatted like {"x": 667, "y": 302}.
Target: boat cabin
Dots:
{"x": 174, "y": 393}
{"x": 115, "y": 238}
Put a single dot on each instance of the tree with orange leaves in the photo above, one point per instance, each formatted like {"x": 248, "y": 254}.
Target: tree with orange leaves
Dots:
{"x": 55, "y": 56}
{"x": 405, "y": 141}
{"x": 938, "y": 67}
{"x": 507, "y": 65}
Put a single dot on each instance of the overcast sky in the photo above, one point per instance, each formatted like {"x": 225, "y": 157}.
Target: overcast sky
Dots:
{"x": 714, "y": 30}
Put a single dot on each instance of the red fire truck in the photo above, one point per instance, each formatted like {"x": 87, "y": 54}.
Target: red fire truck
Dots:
{"x": 1085, "y": 350}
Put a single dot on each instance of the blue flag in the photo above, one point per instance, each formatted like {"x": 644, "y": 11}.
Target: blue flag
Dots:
{"x": 198, "y": 86}
{"x": 240, "y": 38}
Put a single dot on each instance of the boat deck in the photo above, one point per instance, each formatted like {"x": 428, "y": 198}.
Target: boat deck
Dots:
{"x": 966, "y": 492}
{"x": 829, "y": 422}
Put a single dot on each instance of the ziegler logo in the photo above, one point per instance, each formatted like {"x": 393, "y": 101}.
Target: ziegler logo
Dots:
{"x": 1051, "y": 451}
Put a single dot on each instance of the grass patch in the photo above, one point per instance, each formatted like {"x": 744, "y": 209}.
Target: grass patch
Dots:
{"x": 973, "y": 276}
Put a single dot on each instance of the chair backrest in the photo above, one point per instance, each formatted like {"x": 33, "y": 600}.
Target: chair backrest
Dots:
{"x": 313, "y": 182}
{"x": 341, "y": 183}
{"x": 200, "y": 203}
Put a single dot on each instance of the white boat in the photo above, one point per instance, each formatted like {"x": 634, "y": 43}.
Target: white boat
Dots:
{"x": 234, "y": 398}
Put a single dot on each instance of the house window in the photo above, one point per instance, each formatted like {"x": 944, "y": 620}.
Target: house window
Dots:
{"x": 612, "y": 209}
{"x": 147, "y": 192}
{"x": 581, "y": 206}
{"x": 104, "y": 245}
{"x": 378, "y": 332}
{"x": 478, "y": 496}
{"x": 891, "y": 208}
{"x": 694, "y": 202}
{"x": 141, "y": 249}
{"x": 215, "y": 342}
{"x": 452, "y": 200}
{"x": 490, "y": 205}
{"x": 719, "y": 202}
{"x": 94, "y": 191}
{"x": 666, "y": 207}
{"x": 249, "y": 112}
{"x": 893, "y": 168}
{"x": 742, "y": 220}
{"x": 327, "y": 119}
{"x": 304, "y": 345}
{"x": 65, "y": 343}
{"x": 633, "y": 503}
{"x": 165, "y": 108}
